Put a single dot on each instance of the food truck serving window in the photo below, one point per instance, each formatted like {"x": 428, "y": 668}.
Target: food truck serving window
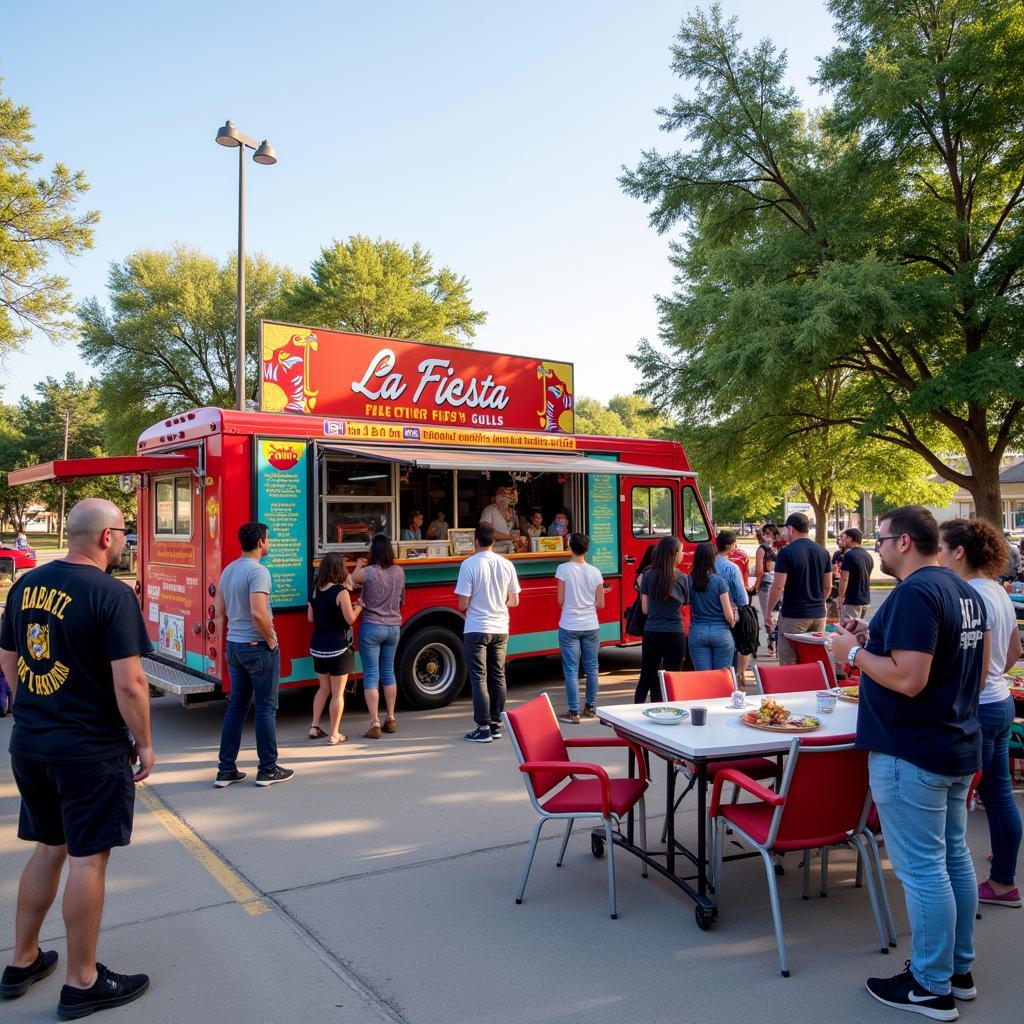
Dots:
{"x": 172, "y": 507}
{"x": 652, "y": 511}
{"x": 357, "y": 502}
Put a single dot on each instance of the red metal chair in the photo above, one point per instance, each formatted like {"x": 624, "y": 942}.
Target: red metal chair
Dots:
{"x": 544, "y": 761}
{"x": 790, "y": 678}
{"x": 823, "y": 801}
{"x": 810, "y": 654}
{"x": 707, "y": 685}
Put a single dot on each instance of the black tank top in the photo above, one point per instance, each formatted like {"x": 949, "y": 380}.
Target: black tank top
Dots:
{"x": 332, "y": 635}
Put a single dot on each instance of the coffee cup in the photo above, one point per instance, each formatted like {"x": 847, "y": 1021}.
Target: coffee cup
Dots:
{"x": 699, "y": 716}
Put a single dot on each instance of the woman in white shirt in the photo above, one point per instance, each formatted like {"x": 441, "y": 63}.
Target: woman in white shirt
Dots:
{"x": 975, "y": 550}
{"x": 580, "y": 594}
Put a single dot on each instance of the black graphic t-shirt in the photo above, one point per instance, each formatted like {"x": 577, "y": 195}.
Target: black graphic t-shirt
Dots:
{"x": 937, "y": 613}
{"x": 68, "y": 622}
{"x": 859, "y": 564}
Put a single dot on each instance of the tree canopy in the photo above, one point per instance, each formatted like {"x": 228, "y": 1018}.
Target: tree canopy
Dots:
{"x": 622, "y": 416}
{"x": 37, "y": 221}
{"x": 882, "y": 235}
{"x": 382, "y": 287}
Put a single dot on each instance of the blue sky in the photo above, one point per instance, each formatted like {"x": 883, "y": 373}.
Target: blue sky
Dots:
{"x": 492, "y": 134}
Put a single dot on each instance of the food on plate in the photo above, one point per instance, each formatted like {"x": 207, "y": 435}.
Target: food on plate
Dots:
{"x": 772, "y": 713}
{"x": 848, "y": 692}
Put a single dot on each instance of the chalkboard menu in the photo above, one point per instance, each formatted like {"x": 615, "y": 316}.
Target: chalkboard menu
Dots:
{"x": 603, "y": 519}
{"x": 282, "y": 502}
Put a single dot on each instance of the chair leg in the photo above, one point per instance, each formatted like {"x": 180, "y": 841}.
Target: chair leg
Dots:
{"x": 807, "y": 875}
{"x": 862, "y": 852}
{"x": 824, "y": 871}
{"x": 876, "y": 861}
{"x": 565, "y": 842}
{"x": 773, "y": 894}
{"x": 675, "y": 806}
{"x": 718, "y": 841}
{"x": 610, "y": 843}
{"x": 529, "y": 857}
{"x": 858, "y": 879}
{"x": 643, "y": 835}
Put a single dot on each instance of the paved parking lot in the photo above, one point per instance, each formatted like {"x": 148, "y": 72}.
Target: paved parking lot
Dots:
{"x": 378, "y": 885}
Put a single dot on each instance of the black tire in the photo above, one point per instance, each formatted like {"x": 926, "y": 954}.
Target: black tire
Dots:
{"x": 703, "y": 916}
{"x": 596, "y": 844}
{"x": 431, "y": 667}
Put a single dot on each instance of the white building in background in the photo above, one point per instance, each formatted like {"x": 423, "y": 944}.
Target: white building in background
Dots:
{"x": 1011, "y": 489}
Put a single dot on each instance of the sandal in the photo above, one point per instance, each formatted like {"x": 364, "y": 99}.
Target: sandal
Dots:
{"x": 390, "y": 725}
{"x": 335, "y": 740}
{"x": 316, "y": 733}
{"x": 373, "y": 733}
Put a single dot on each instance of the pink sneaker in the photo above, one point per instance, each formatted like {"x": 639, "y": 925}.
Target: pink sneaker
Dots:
{"x": 986, "y": 894}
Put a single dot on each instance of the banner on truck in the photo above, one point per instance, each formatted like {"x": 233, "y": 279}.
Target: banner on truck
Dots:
{"x": 332, "y": 373}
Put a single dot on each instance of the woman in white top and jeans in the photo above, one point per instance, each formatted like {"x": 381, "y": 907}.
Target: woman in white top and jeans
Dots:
{"x": 580, "y": 594}
{"x": 976, "y": 552}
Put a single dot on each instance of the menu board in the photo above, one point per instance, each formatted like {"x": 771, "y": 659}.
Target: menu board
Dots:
{"x": 282, "y": 502}
{"x": 603, "y": 519}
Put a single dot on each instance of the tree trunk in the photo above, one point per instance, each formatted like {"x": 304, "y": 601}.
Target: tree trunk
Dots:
{"x": 984, "y": 489}
{"x": 821, "y": 511}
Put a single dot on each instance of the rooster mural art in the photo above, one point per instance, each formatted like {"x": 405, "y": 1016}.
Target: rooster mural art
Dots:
{"x": 557, "y": 414}
{"x": 286, "y": 355}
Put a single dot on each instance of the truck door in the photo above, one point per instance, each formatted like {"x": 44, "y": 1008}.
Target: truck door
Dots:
{"x": 650, "y": 511}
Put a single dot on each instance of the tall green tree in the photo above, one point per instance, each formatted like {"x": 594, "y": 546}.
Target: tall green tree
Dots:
{"x": 622, "y": 416}
{"x": 883, "y": 235}
{"x": 167, "y": 342}
{"x": 382, "y": 287}
{"x": 15, "y": 502}
{"x": 37, "y": 221}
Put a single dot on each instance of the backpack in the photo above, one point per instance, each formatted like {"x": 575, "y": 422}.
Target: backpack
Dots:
{"x": 747, "y": 629}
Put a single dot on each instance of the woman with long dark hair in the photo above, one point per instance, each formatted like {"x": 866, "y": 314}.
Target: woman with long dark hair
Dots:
{"x": 712, "y": 614}
{"x": 332, "y": 613}
{"x": 664, "y": 589}
{"x": 383, "y": 585}
{"x": 975, "y": 550}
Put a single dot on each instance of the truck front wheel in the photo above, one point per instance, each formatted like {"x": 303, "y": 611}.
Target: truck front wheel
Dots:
{"x": 431, "y": 667}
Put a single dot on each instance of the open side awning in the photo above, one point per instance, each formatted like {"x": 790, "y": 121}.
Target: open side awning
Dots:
{"x": 527, "y": 462}
{"x": 114, "y": 465}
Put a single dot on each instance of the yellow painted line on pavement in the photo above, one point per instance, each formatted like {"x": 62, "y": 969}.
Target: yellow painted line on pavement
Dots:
{"x": 221, "y": 872}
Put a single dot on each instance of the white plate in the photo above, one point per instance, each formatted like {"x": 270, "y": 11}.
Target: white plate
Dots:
{"x": 666, "y": 716}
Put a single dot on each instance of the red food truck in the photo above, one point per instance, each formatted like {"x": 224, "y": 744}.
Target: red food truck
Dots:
{"x": 352, "y": 435}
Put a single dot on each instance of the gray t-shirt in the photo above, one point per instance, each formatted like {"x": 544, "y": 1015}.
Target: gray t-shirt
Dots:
{"x": 243, "y": 577}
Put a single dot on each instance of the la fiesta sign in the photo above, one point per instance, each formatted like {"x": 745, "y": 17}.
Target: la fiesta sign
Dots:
{"x": 334, "y": 373}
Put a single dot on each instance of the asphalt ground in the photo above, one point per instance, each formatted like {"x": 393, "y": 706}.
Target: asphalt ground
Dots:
{"x": 378, "y": 886}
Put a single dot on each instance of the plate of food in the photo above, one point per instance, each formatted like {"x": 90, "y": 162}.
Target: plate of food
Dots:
{"x": 773, "y": 717}
{"x": 666, "y": 715}
{"x": 849, "y": 693}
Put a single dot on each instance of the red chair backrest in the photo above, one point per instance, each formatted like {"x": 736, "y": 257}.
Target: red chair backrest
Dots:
{"x": 827, "y": 790}
{"x": 712, "y": 682}
{"x": 790, "y": 678}
{"x": 815, "y": 654}
{"x": 539, "y": 739}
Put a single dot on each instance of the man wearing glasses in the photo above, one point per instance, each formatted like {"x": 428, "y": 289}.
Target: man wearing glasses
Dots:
{"x": 921, "y": 664}
{"x": 70, "y": 644}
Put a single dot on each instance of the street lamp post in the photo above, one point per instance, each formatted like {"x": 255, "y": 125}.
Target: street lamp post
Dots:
{"x": 264, "y": 153}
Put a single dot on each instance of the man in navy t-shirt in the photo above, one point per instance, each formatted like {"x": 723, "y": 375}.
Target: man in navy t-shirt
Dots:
{"x": 803, "y": 579}
{"x": 854, "y": 577}
{"x": 922, "y": 662}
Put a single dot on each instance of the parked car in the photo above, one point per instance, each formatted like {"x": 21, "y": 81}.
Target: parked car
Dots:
{"x": 19, "y": 560}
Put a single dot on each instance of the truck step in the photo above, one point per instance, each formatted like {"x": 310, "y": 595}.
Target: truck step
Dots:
{"x": 169, "y": 679}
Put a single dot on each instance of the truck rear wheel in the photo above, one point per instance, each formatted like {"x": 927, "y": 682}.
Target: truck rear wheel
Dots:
{"x": 431, "y": 667}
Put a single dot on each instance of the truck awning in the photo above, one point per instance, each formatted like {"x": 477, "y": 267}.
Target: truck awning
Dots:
{"x": 527, "y": 462}
{"x": 114, "y": 465}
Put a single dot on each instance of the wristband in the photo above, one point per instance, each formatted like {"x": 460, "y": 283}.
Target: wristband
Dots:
{"x": 851, "y": 658}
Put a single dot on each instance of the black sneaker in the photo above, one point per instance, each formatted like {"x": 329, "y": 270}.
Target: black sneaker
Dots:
{"x": 963, "y": 986}
{"x": 108, "y": 990}
{"x": 481, "y": 734}
{"x": 228, "y": 778}
{"x": 496, "y": 732}
{"x": 275, "y": 775}
{"x": 902, "y": 992}
{"x": 16, "y": 980}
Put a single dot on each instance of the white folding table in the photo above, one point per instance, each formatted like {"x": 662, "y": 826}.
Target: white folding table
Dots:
{"x": 724, "y": 737}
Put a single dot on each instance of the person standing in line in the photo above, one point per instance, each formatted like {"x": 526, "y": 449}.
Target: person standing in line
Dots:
{"x": 764, "y": 576}
{"x": 383, "y": 595}
{"x": 832, "y": 600}
{"x": 580, "y": 595}
{"x": 487, "y": 587}
{"x": 71, "y": 644}
{"x": 254, "y": 661}
{"x": 803, "y": 579}
{"x": 1013, "y": 565}
{"x": 664, "y": 589}
{"x": 922, "y": 662}
{"x": 855, "y": 577}
{"x": 973, "y": 549}
{"x": 332, "y": 613}
{"x": 712, "y": 614}
{"x": 726, "y": 543}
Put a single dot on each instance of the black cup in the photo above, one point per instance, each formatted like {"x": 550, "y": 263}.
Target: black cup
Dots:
{"x": 699, "y": 716}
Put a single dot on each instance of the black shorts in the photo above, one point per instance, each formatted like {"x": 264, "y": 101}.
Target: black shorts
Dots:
{"x": 90, "y": 805}
{"x": 340, "y": 665}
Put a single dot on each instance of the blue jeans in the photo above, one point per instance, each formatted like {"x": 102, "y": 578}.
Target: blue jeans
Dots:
{"x": 377, "y": 646}
{"x": 1004, "y": 826}
{"x": 711, "y": 645}
{"x": 574, "y": 643}
{"x": 255, "y": 674}
{"x": 924, "y": 821}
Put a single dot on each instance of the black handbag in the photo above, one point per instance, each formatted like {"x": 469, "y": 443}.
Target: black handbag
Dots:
{"x": 636, "y": 618}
